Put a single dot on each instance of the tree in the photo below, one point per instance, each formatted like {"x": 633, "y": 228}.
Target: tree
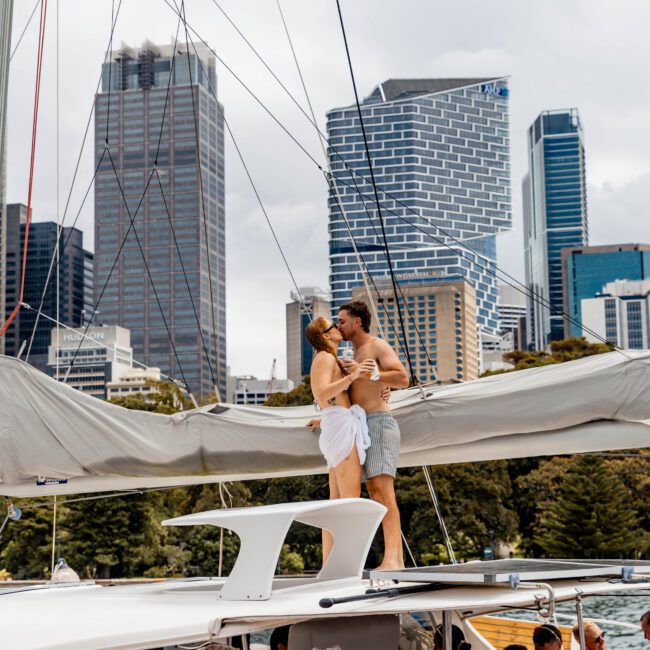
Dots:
{"x": 591, "y": 517}
{"x": 561, "y": 351}
{"x": 301, "y": 395}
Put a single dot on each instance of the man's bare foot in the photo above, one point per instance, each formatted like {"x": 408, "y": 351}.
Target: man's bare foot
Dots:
{"x": 387, "y": 565}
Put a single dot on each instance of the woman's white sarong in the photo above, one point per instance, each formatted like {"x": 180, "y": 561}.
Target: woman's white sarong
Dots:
{"x": 341, "y": 429}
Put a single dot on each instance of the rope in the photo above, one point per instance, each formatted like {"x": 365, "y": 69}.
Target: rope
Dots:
{"x": 37, "y": 93}
{"x": 443, "y": 528}
{"x": 374, "y": 186}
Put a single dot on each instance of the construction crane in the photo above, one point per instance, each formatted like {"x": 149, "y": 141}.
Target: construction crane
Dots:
{"x": 272, "y": 378}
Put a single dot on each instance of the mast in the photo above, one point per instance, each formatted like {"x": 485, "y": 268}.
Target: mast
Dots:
{"x": 6, "y": 14}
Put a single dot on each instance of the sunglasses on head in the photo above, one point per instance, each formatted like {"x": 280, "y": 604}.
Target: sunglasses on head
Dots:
{"x": 600, "y": 638}
{"x": 550, "y": 630}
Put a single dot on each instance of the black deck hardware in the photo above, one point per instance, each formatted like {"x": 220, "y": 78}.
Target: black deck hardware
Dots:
{"x": 370, "y": 594}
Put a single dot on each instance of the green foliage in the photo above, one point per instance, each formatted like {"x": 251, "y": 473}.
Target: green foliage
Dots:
{"x": 170, "y": 399}
{"x": 584, "y": 510}
{"x": 566, "y": 350}
{"x": 291, "y": 563}
{"x": 301, "y": 395}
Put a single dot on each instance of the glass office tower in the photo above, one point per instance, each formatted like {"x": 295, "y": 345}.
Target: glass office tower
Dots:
{"x": 555, "y": 216}
{"x": 133, "y": 104}
{"x": 75, "y": 281}
{"x": 441, "y": 148}
{"x": 587, "y": 270}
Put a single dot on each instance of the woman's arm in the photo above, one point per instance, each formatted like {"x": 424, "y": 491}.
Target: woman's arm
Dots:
{"x": 322, "y": 386}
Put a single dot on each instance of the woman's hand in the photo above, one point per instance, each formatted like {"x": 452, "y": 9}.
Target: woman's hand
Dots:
{"x": 313, "y": 424}
{"x": 363, "y": 369}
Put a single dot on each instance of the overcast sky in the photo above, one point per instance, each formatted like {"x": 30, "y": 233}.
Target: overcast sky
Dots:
{"x": 589, "y": 54}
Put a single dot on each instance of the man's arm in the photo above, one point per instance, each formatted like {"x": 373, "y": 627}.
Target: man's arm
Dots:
{"x": 392, "y": 372}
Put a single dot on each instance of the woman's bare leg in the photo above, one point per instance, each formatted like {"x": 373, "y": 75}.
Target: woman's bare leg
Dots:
{"x": 328, "y": 540}
{"x": 348, "y": 476}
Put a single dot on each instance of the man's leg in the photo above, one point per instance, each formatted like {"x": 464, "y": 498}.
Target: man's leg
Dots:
{"x": 382, "y": 489}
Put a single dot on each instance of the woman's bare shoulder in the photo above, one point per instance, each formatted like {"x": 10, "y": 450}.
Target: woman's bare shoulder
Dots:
{"x": 324, "y": 359}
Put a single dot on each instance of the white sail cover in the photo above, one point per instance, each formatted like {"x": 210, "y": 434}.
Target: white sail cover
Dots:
{"x": 55, "y": 439}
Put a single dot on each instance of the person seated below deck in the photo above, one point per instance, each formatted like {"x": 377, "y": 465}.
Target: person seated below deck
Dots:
{"x": 594, "y": 636}
{"x": 457, "y": 639}
{"x": 280, "y": 638}
{"x": 645, "y": 625}
{"x": 547, "y": 637}
{"x": 515, "y": 646}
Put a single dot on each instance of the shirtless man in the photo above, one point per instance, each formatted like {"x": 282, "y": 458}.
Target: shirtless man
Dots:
{"x": 381, "y": 458}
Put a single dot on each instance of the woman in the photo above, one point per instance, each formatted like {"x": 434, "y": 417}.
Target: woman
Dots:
{"x": 344, "y": 432}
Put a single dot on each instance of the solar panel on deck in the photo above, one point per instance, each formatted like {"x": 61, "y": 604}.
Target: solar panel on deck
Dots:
{"x": 503, "y": 571}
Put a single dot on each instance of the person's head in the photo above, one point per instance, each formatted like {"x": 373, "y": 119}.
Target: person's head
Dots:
{"x": 547, "y": 637}
{"x": 594, "y": 636}
{"x": 645, "y": 625}
{"x": 280, "y": 638}
{"x": 323, "y": 335}
{"x": 515, "y": 646}
{"x": 353, "y": 317}
{"x": 457, "y": 639}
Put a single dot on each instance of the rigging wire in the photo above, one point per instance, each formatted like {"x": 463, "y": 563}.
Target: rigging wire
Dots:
{"x": 250, "y": 179}
{"x": 83, "y": 335}
{"x": 441, "y": 520}
{"x": 328, "y": 177}
{"x": 22, "y": 34}
{"x": 37, "y": 92}
{"x": 521, "y": 288}
{"x": 72, "y": 185}
{"x": 206, "y": 236}
{"x": 414, "y": 379}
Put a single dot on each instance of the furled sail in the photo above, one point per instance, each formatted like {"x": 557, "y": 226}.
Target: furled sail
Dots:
{"x": 55, "y": 440}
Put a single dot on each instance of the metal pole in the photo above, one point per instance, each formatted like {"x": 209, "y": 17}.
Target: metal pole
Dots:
{"x": 446, "y": 630}
{"x": 581, "y": 627}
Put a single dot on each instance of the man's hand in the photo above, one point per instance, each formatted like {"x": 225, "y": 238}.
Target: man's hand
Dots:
{"x": 385, "y": 394}
{"x": 349, "y": 365}
{"x": 313, "y": 424}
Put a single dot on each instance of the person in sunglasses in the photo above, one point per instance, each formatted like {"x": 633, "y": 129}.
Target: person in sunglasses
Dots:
{"x": 344, "y": 436}
{"x": 547, "y": 637}
{"x": 594, "y": 636}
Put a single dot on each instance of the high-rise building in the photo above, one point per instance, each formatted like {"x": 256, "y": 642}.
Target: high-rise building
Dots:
{"x": 181, "y": 132}
{"x": 620, "y": 314}
{"x": 440, "y": 323}
{"x": 75, "y": 279}
{"x": 555, "y": 216}
{"x": 6, "y": 14}
{"x": 441, "y": 148}
{"x": 512, "y": 315}
{"x": 586, "y": 270}
{"x": 101, "y": 354}
{"x": 315, "y": 302}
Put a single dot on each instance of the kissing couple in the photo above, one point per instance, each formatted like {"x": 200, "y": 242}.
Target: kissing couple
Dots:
{"x": 357, "y": 429}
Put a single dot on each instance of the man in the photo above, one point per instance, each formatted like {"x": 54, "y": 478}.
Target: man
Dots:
{"x": 594, "y": 636}
{"x": 547, "y": 637}
{"x": 645, "y": 625}
{"x": 381, "y": 458}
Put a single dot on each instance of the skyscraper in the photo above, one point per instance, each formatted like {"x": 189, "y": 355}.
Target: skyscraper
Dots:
{"x": 441, "y": 148}
{"x": 6, "y": 13}
{"x": 74, "y": 280}
{"x": 299, "y": 314}
{"x": 555, "y": 216}
{"x": 588, "y": 269}
{"x": 159, "y": 106}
